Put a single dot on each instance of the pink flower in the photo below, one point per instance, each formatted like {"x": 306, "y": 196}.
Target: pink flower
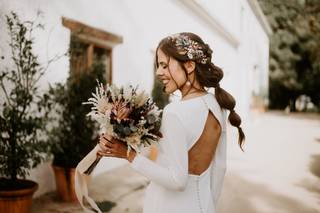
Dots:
{"x": 121, "y": 111}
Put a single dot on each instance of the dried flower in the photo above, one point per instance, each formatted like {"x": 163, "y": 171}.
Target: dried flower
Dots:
{"x": 126, "y": 114}
{"x": 192, "y": 49}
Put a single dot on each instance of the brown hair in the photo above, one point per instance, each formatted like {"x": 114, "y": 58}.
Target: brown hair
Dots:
{"x": 207, "y": 74}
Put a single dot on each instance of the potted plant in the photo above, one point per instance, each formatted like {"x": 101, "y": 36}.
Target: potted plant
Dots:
{"x": 73, "y": 134}
{"x": 22, "y": 139}
{"x": 158, "y": 96}
{"x": 161, "y": 99}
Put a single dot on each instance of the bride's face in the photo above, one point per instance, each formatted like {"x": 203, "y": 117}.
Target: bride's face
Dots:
{"x": 165, "y": 67}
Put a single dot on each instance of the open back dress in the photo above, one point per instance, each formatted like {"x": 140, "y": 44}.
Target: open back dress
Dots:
{"x": 172, "y": 189}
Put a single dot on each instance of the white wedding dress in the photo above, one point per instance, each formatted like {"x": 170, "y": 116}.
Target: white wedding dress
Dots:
{"x": 172, "y": 189}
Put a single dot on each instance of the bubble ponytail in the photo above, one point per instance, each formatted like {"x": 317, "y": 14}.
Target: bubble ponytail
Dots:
{"x": 207, "y": 74}
{"x": 227, "y": 101}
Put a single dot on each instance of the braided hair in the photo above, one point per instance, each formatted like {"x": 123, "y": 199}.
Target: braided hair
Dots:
{"x": 188, "y": 46}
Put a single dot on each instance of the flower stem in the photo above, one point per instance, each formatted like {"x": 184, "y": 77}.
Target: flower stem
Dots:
{"x": 93, "y": 165}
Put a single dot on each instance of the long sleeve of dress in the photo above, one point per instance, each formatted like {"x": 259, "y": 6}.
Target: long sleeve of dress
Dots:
{"x": 175, "y": 174}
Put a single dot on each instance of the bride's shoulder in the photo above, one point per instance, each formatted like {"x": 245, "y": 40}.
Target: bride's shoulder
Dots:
{"x": 172, "y": 116}
{"x": 170, "y": 108}
{"x": 178, "y": 109}
{"x": 173, "y": 107}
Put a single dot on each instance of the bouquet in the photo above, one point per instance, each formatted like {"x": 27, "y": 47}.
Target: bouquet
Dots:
{"x": 126, "y": 114}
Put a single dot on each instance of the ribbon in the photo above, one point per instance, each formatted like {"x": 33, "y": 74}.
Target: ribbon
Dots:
{"x": 82, "y": 179}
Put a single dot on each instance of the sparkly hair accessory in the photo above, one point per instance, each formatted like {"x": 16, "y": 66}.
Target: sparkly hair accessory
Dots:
{"x": 191, "y": 48}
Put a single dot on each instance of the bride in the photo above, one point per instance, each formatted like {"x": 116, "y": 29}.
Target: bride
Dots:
{"x": 188, "y": 174}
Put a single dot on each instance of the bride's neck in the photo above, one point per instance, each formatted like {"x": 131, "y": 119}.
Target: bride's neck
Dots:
{"x": 192, "y": 92}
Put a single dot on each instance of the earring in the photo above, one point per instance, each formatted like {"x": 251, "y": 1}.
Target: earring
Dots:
{"x": 188, "y": 83}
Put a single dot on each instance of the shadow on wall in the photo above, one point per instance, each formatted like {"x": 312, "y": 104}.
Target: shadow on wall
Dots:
{"x": 242, "y": 196}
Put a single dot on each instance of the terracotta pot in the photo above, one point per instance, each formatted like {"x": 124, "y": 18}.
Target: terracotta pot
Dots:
{"x": 18, "y": 201}
{"x": 65, "y": 183}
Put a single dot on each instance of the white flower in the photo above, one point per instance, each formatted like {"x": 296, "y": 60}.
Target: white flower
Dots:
{"x": 141, "y": 99}
{"x": 155, "y": 111}
{"x": 103, "y": 106}
{"x": 127, "y": 92}
{"x": 99, "y": 101}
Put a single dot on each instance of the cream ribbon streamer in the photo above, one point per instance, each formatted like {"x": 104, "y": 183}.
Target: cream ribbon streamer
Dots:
{"x": 81, "y": 181}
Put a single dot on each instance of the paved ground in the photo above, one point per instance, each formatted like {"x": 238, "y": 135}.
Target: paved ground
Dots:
{"x": 278, "y": 173}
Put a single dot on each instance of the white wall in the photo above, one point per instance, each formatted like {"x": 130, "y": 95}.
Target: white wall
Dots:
{"x": 142, "y": 24}
{"x": 253, "y": 51}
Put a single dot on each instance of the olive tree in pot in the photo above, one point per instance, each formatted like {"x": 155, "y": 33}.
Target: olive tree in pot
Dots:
{"x": 23, "y": 145}
{"x": 73, "y": 134}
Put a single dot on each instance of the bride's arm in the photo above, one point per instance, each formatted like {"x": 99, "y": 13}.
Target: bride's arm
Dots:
{"x": 175, "y": 174}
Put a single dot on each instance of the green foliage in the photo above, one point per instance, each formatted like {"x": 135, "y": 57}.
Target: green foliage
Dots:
{"x": 159, "y": 97}
{"x": 22, "y": 145}
{"x": 73, "y": 134}
{"x": 294, "y": 51}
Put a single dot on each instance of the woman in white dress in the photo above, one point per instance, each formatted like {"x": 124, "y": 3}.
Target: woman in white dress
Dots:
{"x": 188, "y": 174}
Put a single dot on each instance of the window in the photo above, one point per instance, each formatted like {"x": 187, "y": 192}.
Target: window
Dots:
{"x": 90, "y": 47}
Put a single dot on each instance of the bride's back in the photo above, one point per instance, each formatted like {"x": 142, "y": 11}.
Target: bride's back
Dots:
{"x": 202, "y": 118}
{"x": 202, "y": 152}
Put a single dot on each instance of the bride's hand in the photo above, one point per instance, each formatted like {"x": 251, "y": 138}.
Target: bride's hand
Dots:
{"x": 103, "y": 141}
{"x": 111, "y": 147}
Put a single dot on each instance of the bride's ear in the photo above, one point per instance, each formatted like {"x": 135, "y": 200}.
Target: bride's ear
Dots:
{"x": 189, "y": 66}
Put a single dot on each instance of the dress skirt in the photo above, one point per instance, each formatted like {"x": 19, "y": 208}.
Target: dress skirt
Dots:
{"x": 195, "y": 198}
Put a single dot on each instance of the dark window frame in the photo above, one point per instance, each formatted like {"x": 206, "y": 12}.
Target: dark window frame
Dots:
{"x": 93, "y": 38}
